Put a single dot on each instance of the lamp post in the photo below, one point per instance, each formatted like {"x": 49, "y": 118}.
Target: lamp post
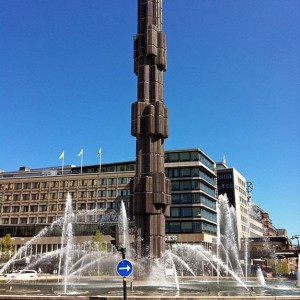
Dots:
{"x": 296, "y": 237}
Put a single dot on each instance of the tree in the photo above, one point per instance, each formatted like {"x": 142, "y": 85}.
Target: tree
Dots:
{"x": 7, "y": 246}
{"x": 98, "y": 241}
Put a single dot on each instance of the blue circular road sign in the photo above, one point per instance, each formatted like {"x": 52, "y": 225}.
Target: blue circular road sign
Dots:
{"x": 124, "y": 268}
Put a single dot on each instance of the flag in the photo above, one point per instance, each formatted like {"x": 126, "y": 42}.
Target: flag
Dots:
{"x": 99, "y": 152}
{"x": 80, "y": 153}
{"x": 62, "y": 155}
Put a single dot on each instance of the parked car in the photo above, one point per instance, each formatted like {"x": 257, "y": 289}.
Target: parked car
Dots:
{"x": 23, "y": 274}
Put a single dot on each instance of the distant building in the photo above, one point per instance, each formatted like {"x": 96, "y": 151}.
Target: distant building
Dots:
{"x": 193, "y": 216}
{"x": 31, "y": 199}
{"x": 233, "y": 184}
{"x": 268, "y": 227}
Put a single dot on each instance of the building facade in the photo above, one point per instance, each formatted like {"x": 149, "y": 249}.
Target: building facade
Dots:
{"x": 32, "y": 199}
{"x": 234, "y": 185}
{"x": 193, "y": 216}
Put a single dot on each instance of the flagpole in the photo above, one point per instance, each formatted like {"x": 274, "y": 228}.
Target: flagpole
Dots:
{"x": 81, "y": 163}
{"x": 62, "y": 165}
{"x": 100, "y": 161}
{"x": 99, "y": 154}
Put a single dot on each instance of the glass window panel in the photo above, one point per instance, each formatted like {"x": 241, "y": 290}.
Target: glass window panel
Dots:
{"x": 186, "y": 212}
{"x": 185, "y": 172}
{"x": 194, "y": 156}
{"x": 184, "y": 156}
{"x": 196, "y": 211}
{"x": 175, "y": 198}
{"x": 174, "y": 157}
{"x": 175, "y": 185}
{"x": 197, "y": 226}
{"x": 174, "y": 227}
{"x": 175, "y": 212}
{"x": 186, "y": 198}
{"x": 185, "y": 185}
{"x": 186, "y": 227}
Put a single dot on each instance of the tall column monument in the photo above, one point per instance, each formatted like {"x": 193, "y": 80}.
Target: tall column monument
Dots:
{"x": 150, "y": 189}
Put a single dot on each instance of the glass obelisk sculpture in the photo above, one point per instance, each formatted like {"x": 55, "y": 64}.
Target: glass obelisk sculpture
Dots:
{"x": 150, "y": 189}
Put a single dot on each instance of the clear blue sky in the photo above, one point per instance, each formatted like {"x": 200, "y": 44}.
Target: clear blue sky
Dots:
{"x": 232, "y": 87}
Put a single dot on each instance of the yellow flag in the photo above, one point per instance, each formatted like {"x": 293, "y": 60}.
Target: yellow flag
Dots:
{"x": 62, "y": 155}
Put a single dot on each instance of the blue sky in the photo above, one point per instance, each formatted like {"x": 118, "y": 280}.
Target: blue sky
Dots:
{"x": 232, "y": 87}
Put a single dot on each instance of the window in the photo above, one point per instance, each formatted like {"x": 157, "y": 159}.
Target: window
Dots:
{"x": 186, "y": 227}
{"x": 15, "y": 209}
{"x": 43, "y": 208}
{"x": 33, "y": 208}
{"x": 111, "y": 205}
{"x": 16, "y": 197}
{"x": 25, "y": 196}
{"x": 52, "y": 207}
{"x": 174, "y": 226}
{"x": 175, "y": 212}
{"x": 34, "y": 197}
{"x": 24, "y": 208}
{"x": 32, "y": 220}
{"x": 186, "y": 172}
{"x": 91, "y": 206}
{"x": 23, "y": 220}
{"x": 5, "y": 209}
{"x": 35, "y": 185}
{"x": 18, "y": 186}
{"x": 175, "y": 185}
{"x": 51, "y": 219}
{"x": 101, "y": 204}
{"x": 186, "y": 212}
{"x": 14, "y": 221}
{"x": 27, "y": 185}
{"x": 112, "y": 181}
{"x": 81, "y": 206}
{"x": 196, "y": 212}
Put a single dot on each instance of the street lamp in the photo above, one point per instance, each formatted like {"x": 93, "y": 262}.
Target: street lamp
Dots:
{"x": 296, "y": 237}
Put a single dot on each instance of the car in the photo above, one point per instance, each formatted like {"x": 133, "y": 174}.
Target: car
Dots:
{"x": 23, "y": 274}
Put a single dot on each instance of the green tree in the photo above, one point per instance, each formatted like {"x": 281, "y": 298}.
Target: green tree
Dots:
{"x": 98, "y": 242}
{"x": 7, "y": 246}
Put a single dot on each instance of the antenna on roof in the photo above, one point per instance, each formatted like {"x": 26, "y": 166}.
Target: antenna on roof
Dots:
{"x": 224, "y": 160}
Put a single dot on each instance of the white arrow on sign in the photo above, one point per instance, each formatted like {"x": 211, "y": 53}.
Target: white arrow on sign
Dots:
{"x": 125, "y": 268}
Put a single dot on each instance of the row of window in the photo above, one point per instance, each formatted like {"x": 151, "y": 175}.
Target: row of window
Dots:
{"x": 61, "y": 207}
{"x": 192, "y": 199}
{"x": 241, "y": 182}
{"x": 190, "y": 227}
{"x": 184, "y": 212}
{"x": 65, "y": 184}
{"x": 63, "y": 195}
{"x": 181, "y": 185}
{"x": 222, "y": 186}
{"x": 257, "y": 228}
{"x": 189, "y": 172}
{"x": 188, "y": 156}
{"x": 225, "y": 176}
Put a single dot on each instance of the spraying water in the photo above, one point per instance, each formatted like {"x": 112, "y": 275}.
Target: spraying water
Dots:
{"x": 260, "y": 277}
{"x": 67, "y": 239}
{"x": 123, "y": 225}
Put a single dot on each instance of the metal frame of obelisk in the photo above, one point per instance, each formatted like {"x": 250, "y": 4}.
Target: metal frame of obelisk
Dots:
{"x": 150, "y": 189}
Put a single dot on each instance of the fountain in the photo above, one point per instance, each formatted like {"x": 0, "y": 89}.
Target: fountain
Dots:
{"x": 260, "y": 277}
{"x": 183, "y": 270}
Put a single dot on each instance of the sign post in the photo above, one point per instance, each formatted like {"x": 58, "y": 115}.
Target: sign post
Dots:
{"x": 124, "y": 269}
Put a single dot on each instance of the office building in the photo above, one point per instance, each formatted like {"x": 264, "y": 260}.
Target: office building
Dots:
{"x": 31, "y": 199}
{"x": 234, "y": 185}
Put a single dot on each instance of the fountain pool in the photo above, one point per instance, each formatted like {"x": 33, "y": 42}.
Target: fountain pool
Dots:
{"x": 89, "y": 272}
{"x": 189, "y": 286}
